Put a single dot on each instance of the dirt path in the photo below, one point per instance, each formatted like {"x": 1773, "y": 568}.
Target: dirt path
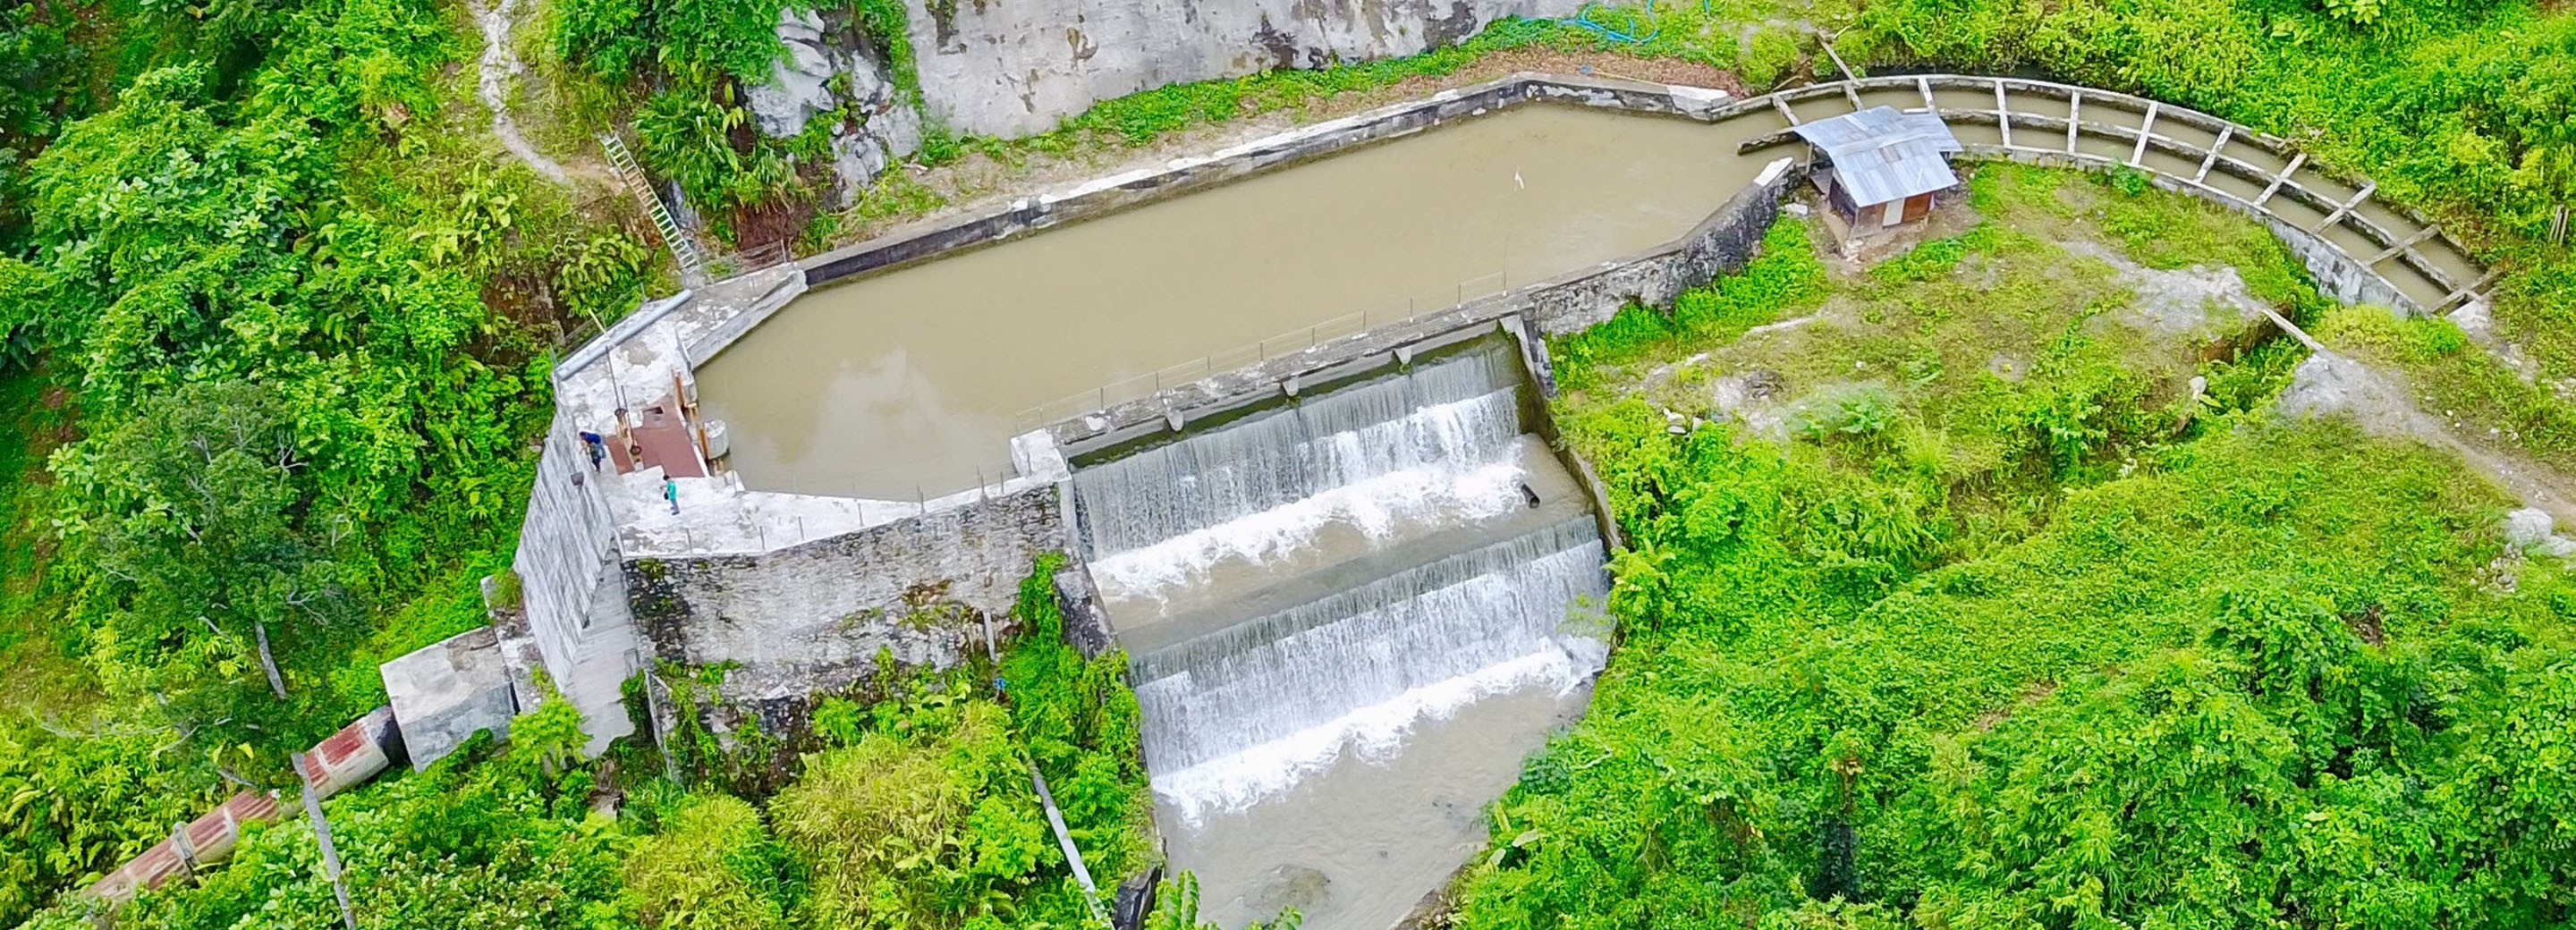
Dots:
{"x": 2383, "y": 402}
{"x": 497, "y": 70}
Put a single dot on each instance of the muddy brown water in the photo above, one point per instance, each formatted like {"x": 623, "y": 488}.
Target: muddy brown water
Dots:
{"x": 912, "y": 382}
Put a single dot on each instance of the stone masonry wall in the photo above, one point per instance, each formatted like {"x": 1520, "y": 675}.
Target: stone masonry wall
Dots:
{"x": 813, "y": 617}
{"x": 1016, "y": 67}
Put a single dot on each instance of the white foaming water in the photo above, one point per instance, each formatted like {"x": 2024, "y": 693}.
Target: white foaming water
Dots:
{"x": 1447, "y": 418}
{"x": 1374, "y": 733}
{"x": 1377, "y": 507}
{"x": 1243, "y": 713}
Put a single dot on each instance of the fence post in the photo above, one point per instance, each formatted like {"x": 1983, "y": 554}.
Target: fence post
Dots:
{"x": 185, "y": 849}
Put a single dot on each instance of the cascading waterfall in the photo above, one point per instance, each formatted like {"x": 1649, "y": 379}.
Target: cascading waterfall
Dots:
{"x": 1243, "y": 712}
{"x": 1327, "y": 650}
{"x": 1431, "y": 443}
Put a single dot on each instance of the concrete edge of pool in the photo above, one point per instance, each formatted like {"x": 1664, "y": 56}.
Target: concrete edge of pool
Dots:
{"x": 612, "y": 577}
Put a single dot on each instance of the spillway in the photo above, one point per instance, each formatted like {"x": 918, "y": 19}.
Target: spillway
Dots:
{"x": 1309, "y": 590}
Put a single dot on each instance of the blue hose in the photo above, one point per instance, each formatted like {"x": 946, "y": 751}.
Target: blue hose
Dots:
{"x": 1582, "y": 19}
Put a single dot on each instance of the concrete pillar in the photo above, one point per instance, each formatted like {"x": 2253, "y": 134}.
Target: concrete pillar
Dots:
{"x": 2224, "y": 133}
{"x": 2003, "y": 113}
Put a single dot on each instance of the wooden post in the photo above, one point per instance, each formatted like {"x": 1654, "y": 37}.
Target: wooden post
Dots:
{"x": 2295, "y": 161}
{"x": 2146, "y": 130}
{"x": 185, "y": 849}
{"x": 2407, "y": 243}
{"x": 2366, "y": 188}
{"x": 322, "y": 836}
{"x": 2074, "y": 117}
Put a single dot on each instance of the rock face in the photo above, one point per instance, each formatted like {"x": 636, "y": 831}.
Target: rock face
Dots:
{"x": 830, "y": 71}
{"x": 2533, "y": 530}
{"x": 1015, "y": 67}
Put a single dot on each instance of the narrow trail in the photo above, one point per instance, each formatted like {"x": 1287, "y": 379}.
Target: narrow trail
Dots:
{"x": 2330, "y": 382}
{"x": 497, "y": 69}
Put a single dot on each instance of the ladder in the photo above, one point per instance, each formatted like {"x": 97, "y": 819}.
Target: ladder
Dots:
{"x": 693, "y": 264}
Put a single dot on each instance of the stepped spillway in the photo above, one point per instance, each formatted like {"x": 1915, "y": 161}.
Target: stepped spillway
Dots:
{"x": 1307, "y": 591}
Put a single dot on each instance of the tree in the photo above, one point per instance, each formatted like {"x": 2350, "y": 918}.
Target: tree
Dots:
{"x": 188, "y": 513}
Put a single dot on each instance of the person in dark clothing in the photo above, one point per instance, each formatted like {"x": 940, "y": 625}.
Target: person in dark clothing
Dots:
{"x": 598, "y": 447}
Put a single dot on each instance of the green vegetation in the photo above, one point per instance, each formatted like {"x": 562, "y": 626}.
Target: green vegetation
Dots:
{"x": 2037, "y": 644}
{"x": 1955, "y": 608}
{"x": 275, "y": 332}
{"x": 910, "y": 808}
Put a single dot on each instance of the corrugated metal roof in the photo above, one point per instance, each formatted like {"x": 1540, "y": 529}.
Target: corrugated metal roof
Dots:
{"x": 1881, "y": 155}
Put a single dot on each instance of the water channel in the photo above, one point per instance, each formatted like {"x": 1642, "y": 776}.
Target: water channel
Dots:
{"x": 1350, "y": 616}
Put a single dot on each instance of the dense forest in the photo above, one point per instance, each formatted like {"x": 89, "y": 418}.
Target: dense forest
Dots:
{"x": 2081, "y": 649}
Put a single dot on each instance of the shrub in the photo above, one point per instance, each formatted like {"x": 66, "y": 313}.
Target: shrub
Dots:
{"x": 713, "y": 866}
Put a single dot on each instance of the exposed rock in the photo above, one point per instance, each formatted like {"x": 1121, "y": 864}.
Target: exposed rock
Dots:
{"x": 800, "y": 82}
{"x": 830, "y": 71}
{"x": 1014, "y": 67}
{"x": 2532, "y": 530}
{"x": 1291, "y": 886}
{"x": 2328, "y": 384}
{"x": 2177, "y": 302}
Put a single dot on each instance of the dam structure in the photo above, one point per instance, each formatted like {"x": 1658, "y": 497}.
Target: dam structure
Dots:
{"x": 1284, "y": 406}
{"x": 1303, "y": 585}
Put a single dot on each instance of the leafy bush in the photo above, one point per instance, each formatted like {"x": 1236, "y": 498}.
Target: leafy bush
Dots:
{"x": 919, "y": 829}
{"x": 1854, "y": 411}
{"x": 72, "y": 807}
{"x": 712, "y": 866}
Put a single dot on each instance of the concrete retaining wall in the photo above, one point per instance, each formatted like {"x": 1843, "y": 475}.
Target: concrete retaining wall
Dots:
{"x": 571, "y": 587}
{"x": 814, "y": 616}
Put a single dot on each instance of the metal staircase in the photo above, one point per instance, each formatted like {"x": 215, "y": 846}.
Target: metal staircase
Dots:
{"x": 693, "y": 263}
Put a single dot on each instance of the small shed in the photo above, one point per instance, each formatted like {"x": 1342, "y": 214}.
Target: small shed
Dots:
{"x": 1881, "y": 168}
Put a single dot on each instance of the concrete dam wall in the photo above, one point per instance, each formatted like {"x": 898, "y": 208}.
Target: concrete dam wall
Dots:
{"x": 589, "y": 534}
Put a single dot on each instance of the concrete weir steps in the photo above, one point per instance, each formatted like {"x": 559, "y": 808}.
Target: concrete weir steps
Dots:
{"x": 693, "y": 264}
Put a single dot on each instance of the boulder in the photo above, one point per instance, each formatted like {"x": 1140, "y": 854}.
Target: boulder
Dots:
{"x": 828, "y": 68}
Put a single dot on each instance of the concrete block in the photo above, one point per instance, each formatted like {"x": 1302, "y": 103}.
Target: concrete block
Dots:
{"x": 444, "y": 692}
{"x": 1035, "y": 454}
